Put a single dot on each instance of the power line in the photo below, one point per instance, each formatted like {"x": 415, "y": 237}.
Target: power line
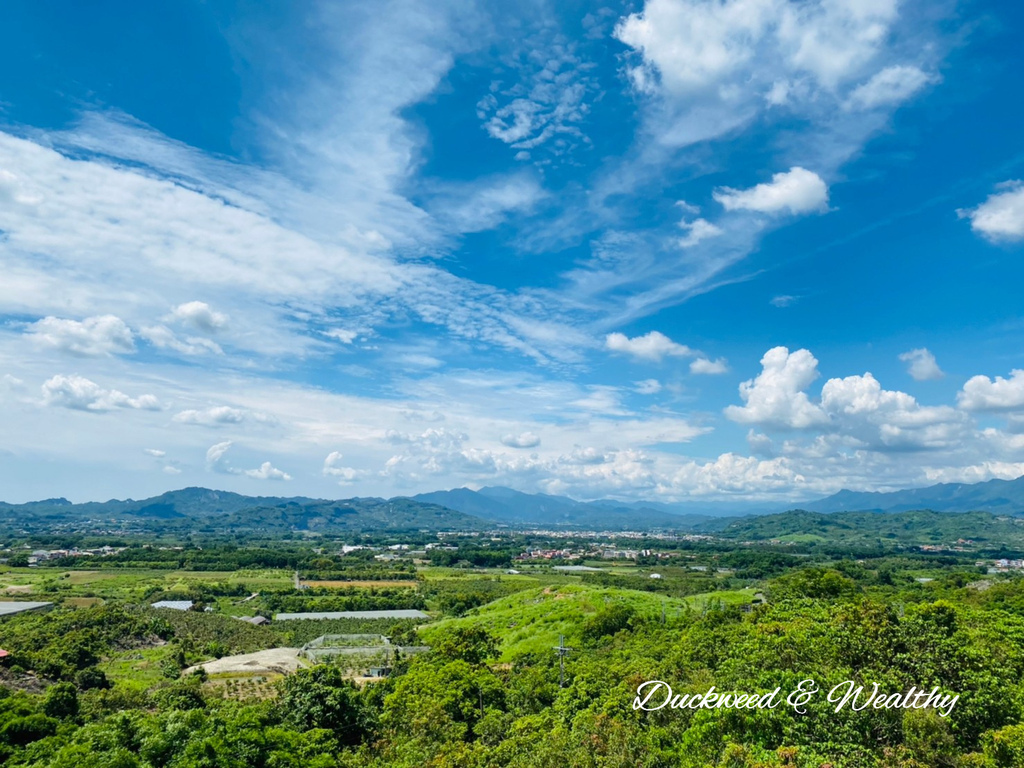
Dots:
{"x": 562, "y": 650}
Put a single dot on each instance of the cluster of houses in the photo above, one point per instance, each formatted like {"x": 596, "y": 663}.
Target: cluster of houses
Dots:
{"x": 1003, "y": 565}
{"x": 606, "y": 553}
{"x": 43, "y": 555}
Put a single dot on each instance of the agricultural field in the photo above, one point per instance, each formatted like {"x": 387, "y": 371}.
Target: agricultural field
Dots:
{"x": 731, "y": 617}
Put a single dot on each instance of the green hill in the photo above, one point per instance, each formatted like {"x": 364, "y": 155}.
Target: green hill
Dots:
{"x": 531, "y": 621}
{"x": 917, "y": 527}
{"x": 217, "y": 512}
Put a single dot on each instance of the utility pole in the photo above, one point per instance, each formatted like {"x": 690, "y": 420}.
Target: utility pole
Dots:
{"x": 562, "y": 650}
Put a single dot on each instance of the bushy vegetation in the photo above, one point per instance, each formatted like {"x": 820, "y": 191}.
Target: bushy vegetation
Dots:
{"x": 106, "y": 685}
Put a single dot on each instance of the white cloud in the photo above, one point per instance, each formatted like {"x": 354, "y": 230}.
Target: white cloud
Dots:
{"x": 546, "y": 102}
{"x": 732, "y": 50}
{"x": 981, "y": 393}
{"x": 218, "y": 415}
{"x": 708, "y": 72}
{"x": 706, "y": 366}
{"x": 696, "y": 231}
{"x": 601, "y": 399}
{"x": 885, "y": 419}
{"x": 267, "y": 471}
{"x": 12, "y": 383}
{"x": 795, "y": 191}
{"x": 171, "y": 470}
{"x": 216, "y": 461}
{"x": 14, "y": 189}
{"x": 651, "y": 346}
{"x": 783, "y": 300}
{"x": 162, "y": 337}
{"x": 81, "y": 394}
{"x": 854, "y": 412}
{"x": 333, "y": 467}
{"x": 522, "y": 440}
{"x": 154, "y": 452}
{"x": 921, "y": 365}
{"x": 1001, "y": 217}
{"x": 776, "y": 397}
{"x": 892, "y": 85}
{"x": 201, "y": 315}
{"x": 215, "y": 457}
{"x": 648, "y": 386}
{"x": 92, "y": 337}
{"x": 690, "y": 46}
{"x": 343, "y": 335}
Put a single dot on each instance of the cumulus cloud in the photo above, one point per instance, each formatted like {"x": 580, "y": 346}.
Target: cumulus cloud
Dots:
{"x": 217, "y": 461}
{"x": 102, "y": 335}
{"x": 691, "y": 46}
{"x": 588, "y": 455}
{"x": 776, "y": 397}
{"x": 1001, "y": 217}
{"x": 783, "y": 300}
{"x": 880, "y": 418}
{"x": 892, "y": 85}
{"x": 651, "y": 346}
{"x": 980, "y": 393}
{"x": 794, "y": 191}
{"x": 706, "y": 366}
{"x": 854, "y": 412}
{"x": 156, "y": 453}
{"x": 522, "y": 440}
{"x": 201, "y": 315}
{"x": 82, "y": 394}
{"x": 267, "y": 471}
{"x": 711, "y": 67}
{"x": 334, "y": 467}
{"x": 921, "y": 365}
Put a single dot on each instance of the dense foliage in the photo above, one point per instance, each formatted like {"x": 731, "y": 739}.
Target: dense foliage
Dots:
{"x": 106, "y": 685}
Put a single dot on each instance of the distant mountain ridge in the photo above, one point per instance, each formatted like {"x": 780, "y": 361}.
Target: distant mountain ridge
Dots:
{"x": 203, "y": 510}
{"x": 211, "y": 511}
{"x": 510, "y": 507}
{"x": 995, "y": 496}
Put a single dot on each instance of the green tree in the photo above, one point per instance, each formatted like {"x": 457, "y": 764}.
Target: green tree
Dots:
{"x": 472, "y": 644}
{"x": 61, "y": 701}
{"x": 322, "y": 697}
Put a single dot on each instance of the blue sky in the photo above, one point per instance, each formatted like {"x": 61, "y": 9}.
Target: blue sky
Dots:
{"x": 673, "y": 249}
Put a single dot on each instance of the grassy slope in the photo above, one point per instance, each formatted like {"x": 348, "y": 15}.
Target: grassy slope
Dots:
{"x": 533, "y": 620}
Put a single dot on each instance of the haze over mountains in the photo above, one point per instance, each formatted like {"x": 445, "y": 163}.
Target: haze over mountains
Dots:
{"x": 462, "y": 508}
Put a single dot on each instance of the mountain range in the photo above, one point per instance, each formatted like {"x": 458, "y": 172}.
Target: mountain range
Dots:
{"x": 204, "y": 510}
{"x": 996, "y": 496}
{"x": 510, "y": 507}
